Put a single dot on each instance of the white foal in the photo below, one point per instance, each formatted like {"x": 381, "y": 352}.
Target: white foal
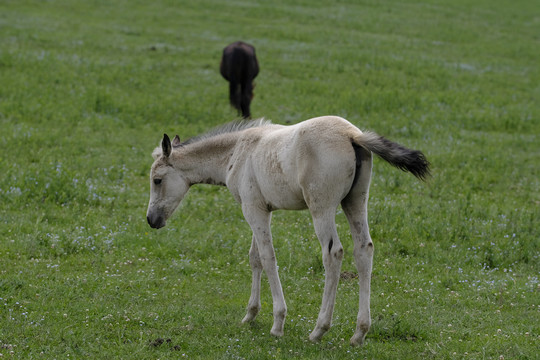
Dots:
{"x": 317, "y": 164}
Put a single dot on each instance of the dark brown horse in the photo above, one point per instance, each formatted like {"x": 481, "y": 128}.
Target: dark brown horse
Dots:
{"x": 239, "y": 67}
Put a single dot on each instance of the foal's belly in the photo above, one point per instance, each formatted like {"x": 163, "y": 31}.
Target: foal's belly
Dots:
{"x": 286, "y": 200}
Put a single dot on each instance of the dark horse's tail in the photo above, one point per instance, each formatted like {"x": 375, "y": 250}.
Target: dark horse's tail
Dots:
{"x": 235, "y": 96}
{"x": 413, "y": 161}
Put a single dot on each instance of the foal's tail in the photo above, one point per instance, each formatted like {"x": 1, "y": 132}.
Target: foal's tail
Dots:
{"x": 413, "y": 161}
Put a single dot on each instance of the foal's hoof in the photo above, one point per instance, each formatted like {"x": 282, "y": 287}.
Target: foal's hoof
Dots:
{"x": 277, "y": 332}
{"x": 316, "y": 335}
{"x": 248, "y": 318}
{"x": 357, "y": 340}
{"x": 251, "y": 314}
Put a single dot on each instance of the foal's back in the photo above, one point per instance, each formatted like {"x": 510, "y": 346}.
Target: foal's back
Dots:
{"x": 316, "y": 139}
{"x": 294, "y": 166}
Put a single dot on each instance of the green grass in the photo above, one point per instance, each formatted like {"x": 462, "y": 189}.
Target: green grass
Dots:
{"x": 88, "y": 88}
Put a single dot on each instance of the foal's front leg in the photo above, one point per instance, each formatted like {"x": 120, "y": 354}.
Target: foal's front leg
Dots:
{"x": 259, "y": 221}
{"x": 254, "y": 304}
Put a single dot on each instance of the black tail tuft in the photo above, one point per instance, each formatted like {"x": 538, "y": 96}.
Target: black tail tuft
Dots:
{"x": 413, "y": 161}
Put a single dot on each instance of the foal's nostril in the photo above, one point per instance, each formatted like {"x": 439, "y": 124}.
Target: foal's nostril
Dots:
{"x": 155, "y": 223}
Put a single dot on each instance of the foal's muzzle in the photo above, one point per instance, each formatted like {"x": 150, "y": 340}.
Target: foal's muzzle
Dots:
{"x": 155, "y": 222}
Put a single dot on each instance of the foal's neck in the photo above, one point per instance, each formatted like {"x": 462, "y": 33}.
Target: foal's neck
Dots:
{"x": 205, "y": 161}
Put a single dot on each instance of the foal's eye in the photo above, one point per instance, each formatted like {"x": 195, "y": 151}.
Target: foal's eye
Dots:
{"x": 157, "y": 181}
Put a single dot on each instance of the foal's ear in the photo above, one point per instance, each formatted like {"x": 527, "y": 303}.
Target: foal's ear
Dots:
{"x": 176, "y": 141}
{"x": 166, "y": 145}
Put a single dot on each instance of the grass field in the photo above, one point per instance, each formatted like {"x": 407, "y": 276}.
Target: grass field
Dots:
{"x": 88, "y": 88}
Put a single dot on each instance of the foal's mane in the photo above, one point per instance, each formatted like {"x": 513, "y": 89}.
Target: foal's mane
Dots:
{"x": 228, "y": 128}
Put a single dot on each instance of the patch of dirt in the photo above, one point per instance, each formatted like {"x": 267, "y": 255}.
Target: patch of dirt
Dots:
{"x": 159, "y": 341}
{"x": 348, "y": 275}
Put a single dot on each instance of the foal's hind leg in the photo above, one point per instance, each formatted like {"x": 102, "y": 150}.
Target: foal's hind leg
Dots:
{"x": 254, "y": 304}
{"x": 355, "y": 208}
{"x": 332, "y": 252}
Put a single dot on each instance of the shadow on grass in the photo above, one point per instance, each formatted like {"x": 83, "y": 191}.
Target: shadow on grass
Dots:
{"x": 395, "y": 329}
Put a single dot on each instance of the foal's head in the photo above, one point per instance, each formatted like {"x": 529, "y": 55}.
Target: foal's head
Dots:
{"x": 167, "y": 185}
